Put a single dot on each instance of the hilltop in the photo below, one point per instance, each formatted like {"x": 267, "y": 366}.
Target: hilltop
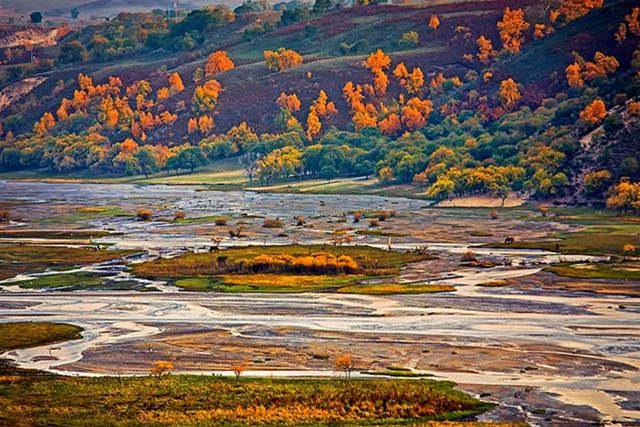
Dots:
{"x": 510, "y": 120}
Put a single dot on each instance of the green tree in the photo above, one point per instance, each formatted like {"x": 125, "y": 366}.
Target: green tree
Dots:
{"x": 36, "y": 17}
{"x": 72, "y": 53}
{"x": 322, "y": 5}
{"x": 146, "y": 160}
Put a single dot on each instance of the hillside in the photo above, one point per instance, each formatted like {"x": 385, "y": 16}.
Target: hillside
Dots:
{"x": 468, "y": 113}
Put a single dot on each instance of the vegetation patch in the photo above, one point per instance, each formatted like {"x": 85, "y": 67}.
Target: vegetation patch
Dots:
{"x": 33, "y": 334}
{"x": 306, "y": 260}
{"x": 53, "y": 234}
{"x": 197, "y": 400}
{"x": 593, "y": 240}
{"x": 266, "y": 283}
{"x": 78, "y": 281}
{"x": 394, "y": 288}
{"x": 16, "y": 259}
{"x": 625, "y": 270}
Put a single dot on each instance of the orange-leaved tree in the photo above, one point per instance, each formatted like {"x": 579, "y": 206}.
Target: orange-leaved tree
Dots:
{"x": 218, "y": 62}
{"x": 594, "y": 112}
{"x": 434, "y": 22}
{"x": 512, "y": 28}
{"x": 282, "y": 59}
{"x": 175, "y": 83}
{"x": 485, "y": 49}
{"x": 509, "y": 93}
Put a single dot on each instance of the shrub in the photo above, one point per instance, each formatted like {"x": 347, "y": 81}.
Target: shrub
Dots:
{"x": 239, "y": 369}
{"x": 144, "y": 214}
{"x": 357, "y": 217}
{"x": 179, "y": 215}
{"x": 161, "y": 367}
{"x": 300, "y": 221}
{"x": 273, "y": 223}
{"x": 373, "y": 223}
{"x": 345, "y": 365}
{"x": 4, "y": 217}
{"x": 235, "y": 232}
{"x": 469, "y": 257}
{"x": 220, "y": 221}
{"x": 493, "y": 214}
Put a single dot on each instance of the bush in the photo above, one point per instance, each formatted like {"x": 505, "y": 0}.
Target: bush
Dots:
{"x": 179, "y": 215}
{"x": 235, "y": 232}
{"x": 4, "y": 217}
{"x": 144, "y": 214}
{"x": 273, "y": 223}
{"x": 469, "y": 257}
{"x": 373, "y": 223}
{"x": 220, "y": 221}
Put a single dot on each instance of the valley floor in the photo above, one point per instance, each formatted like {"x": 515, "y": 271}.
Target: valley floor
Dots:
{"x": 545, "y": 327}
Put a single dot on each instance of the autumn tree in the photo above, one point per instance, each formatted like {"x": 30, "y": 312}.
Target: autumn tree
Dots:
{"x": 282, "y": 59}
{"x": 163, "y": 94}
{"x": 485, "y": 49}
{"x": 377, "y": 61}
{"x": 239, "y": 369}
{"x": 218, "y": 62}
{"x": 631, "y": 24}
{"x": 512, "y": 28}
{"x": 46, "y": 122}
{"x": 434, "y": 22}
{"x": 161, "y": 368}
{"x": 411, "y": 82}
{"x": 390, "y": 124}
{"x": 289, "y": 102}
{"x": 625, "y": 196}
{"x": 313, "y": 125}
{"x": 415, "y": 113}
{"x": 573, "y": 73}
{"x": 540, "y": 31}
{"x": 595, "y": 112}
{"x": 596, "y": 182}
{"x": 205, "y": 97}
{"x": 175, "y": 83}
{"x": 345, "y": 365}
{"x": 509, "y": 93}
{"x": 574, "y": 9}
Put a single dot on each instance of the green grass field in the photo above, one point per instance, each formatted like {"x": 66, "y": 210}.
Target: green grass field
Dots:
{"x": 34, "y": 334}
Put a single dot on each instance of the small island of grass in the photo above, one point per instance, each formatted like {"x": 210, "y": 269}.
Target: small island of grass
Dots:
{"x": 291, "y": 268}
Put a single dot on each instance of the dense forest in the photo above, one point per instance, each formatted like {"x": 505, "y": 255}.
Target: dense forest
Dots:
{"x": 477, "y": 97}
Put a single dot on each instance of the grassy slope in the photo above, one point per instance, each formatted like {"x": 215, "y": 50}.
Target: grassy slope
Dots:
{"x": 380, "y": 26}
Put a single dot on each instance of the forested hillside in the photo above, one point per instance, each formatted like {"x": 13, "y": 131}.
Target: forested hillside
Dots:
{"x": 455, "y": 98}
